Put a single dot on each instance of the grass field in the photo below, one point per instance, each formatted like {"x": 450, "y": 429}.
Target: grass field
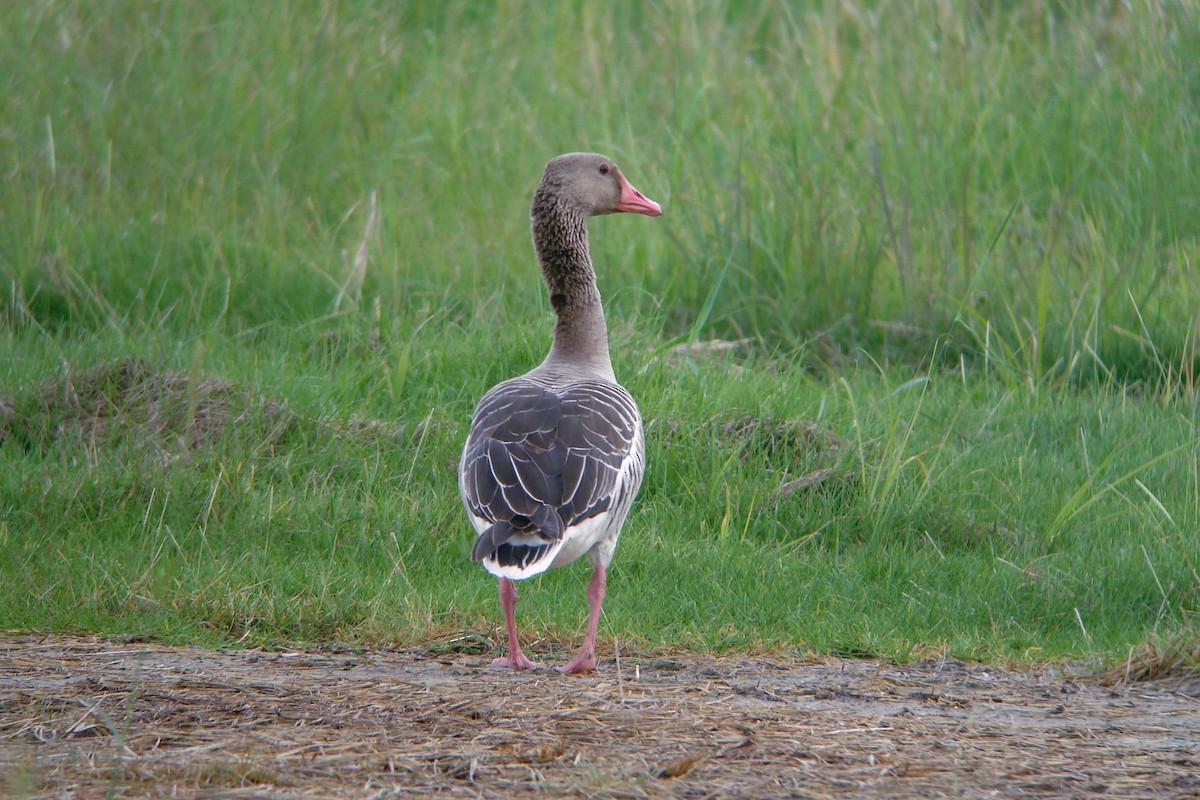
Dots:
{"x": 260, "y": 260}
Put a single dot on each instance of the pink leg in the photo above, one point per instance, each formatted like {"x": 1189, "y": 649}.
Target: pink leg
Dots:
{"x": 508, "y": 601}
{"x": 585, "y": 659}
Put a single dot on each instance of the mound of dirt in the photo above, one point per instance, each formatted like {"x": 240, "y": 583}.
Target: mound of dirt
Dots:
{"x": 84, "y": 718}
{"x": 134, "y": 401}
{"x": 131, "y": 404}
{"x": 8, "y": 413}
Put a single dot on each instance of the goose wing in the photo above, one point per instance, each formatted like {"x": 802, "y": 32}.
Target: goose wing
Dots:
{"x": 540, "y": 461}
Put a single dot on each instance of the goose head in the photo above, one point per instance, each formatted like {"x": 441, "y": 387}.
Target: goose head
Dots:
{"x": 589, "y": 184}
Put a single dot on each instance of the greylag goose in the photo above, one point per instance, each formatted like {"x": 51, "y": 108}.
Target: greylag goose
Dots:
{"x": 555, "y": 457}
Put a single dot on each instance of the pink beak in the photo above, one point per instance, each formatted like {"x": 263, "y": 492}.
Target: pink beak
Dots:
{"x": 635, "y": 202}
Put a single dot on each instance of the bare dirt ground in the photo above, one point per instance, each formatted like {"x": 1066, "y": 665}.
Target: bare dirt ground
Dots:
{"x": 83, "y": 718}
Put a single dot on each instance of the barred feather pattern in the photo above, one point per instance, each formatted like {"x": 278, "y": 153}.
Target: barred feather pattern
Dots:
{"x": 549, "y": 472}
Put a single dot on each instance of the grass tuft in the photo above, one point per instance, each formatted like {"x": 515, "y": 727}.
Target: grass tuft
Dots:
{"x": 1162, "y": 658}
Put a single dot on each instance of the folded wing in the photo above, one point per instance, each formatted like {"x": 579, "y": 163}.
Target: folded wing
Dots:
{"x": 541, "y": 462}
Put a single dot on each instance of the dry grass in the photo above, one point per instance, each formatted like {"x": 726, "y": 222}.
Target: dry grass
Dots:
{"x": 87, "y": 718}
{"x": 1174, "y": 660}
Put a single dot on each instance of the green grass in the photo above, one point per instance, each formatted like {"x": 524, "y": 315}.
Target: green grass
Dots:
{"x": 961, "y": 239}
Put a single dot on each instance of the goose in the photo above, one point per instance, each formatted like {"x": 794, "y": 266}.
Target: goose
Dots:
{"x": 555, "y": 457}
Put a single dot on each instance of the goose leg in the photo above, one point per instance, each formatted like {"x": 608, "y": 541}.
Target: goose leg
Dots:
{"x": 585, "y": 659}
{"x": 508, "y": 601}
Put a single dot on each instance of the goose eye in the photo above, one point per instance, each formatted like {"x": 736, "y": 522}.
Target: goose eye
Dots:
{"x": 604, "y": 169}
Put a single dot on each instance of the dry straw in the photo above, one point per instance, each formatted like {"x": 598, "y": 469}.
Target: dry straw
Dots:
{"x": 90, "y": 718}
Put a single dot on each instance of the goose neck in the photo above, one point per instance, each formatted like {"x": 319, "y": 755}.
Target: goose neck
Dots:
{"x": 580, "y": 334}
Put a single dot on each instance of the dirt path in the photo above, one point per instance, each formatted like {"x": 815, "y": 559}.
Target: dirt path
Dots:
{"x": 89, "y": 718}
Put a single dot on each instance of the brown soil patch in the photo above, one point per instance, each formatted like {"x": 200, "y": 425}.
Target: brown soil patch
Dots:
{"x": 89, "y": 718}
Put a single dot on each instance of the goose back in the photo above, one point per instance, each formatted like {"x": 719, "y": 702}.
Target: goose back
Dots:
{"x": 550, "y": 470}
